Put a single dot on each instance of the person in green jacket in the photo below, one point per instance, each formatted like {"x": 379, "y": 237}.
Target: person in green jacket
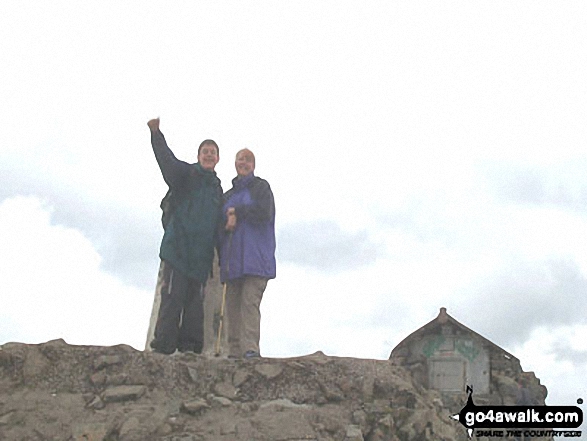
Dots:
{"x": 191, "y": 214}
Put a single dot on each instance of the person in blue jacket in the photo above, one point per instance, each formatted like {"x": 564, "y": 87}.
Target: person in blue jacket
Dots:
{"x": 191, "y": 215}
{"x": 247, "y": 258}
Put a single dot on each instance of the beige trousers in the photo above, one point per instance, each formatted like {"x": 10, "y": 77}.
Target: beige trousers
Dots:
{"x": 243, "y": 299}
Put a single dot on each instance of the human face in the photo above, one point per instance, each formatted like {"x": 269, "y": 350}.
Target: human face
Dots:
{"x": 245, "y": 163}
{"x": 208, "y": 157}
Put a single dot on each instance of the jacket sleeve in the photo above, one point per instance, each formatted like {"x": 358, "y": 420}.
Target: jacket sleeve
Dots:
{"x": 174, "y": 171}
{"x": 263, "y": 207}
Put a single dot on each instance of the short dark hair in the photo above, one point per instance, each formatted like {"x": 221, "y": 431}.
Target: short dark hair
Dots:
{"x": 209, "y": 142}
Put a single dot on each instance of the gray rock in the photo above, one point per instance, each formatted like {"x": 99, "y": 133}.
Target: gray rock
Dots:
{"x": 99, "y": 379}
{"x": 130, "y": 429}
{"x": 6, "y": 418}
{"x": 303, "y": 398}
{"x": 226, "y": 390}
{"x": 194, "y": 407}
{"x": 96, "y": 403}
{"x": 360, "y": 418}
{"x": 240, "y": 377}
{"x": 123, "y": 393}
{"x": 221, "y": 402}
{"x": 92, "y": 431}
{"x": 283, "y": 403}
{"x": 331, "y": 393}
{"x": 58, "y": 342}
{"x": 106, "y": 360}
{"x": 269, "y": 371}
{"x": 353, "y": 433}
{"x": 35, "y": 365}
{"x": 228, "y": 428}
{"x": 193, "y": 373}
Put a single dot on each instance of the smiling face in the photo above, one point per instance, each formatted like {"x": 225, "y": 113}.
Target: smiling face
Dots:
{"x": 244, "y": 163}
{"x": 208, "y": 156}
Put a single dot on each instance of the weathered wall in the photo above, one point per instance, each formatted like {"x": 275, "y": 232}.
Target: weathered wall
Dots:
{"x": 492, "y": 372}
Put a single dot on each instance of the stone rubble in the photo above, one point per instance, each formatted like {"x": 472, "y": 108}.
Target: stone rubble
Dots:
{"x": 56, "y": 391}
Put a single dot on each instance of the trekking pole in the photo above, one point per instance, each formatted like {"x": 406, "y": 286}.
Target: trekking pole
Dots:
{"x": 222, "y": 305}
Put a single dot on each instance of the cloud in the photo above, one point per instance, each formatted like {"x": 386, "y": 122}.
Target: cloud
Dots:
{"x": 323, "y": 246}
{"x": 563, "y": 374}
{"x": 509, "y": 304}
{"x": 568, "y": 345}
{"x": 562, "y": 185}
{"x": 54, "y": 287}
{"x": 126, "y": 235}
{"x": 564, "y": 351}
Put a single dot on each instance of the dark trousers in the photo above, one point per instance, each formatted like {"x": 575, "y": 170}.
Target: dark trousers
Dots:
{"x": 180, "y": 323}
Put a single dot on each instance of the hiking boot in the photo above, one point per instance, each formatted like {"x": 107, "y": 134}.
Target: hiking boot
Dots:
{"x": 160, "y": 349}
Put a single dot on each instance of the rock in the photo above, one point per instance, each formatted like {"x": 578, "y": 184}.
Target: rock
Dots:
{"x": 359, "y": 418}
{"x": 377, "y": 435}
{"x": 139, "y": 425}
{"x": 269, "y": 371}
{"x": 117, "y": 379}
{"x": 228, "y": 428}
{"x": 240, "y": 377}
{"x": 317, "y": 357}
{"x": 58, "y": 342}
{"x": 332, "y": 424}
{"x": 353, "y": 433}
{"x": 221, "y": 402}
{"x": 124, "y": 348}
{"x": 304, "y": 398}
{"x": 379, "y": 407}
{"x": 123, "y": 393}
{"x": 386, "y": 422}
{"x": 226, "y": 390}
{"x": 35, "y": 365}
{"x": 129, "y": 428}
{"x": 194, "y": 407}
{"x": 249, "y": 407}
{"x": 106, "y": 360}
{"x": 289, "y": 424}
{"x": 99, "y": 379}
{"x": 12, "y": 346}
{"x": 193, "y": 373}
{"x": 90, "y": 432}
{"x": 96, "y": 403}
{"x": 331, "y": 393}
{"x": 283, "y": 403}
{"x": 5, "y": 419}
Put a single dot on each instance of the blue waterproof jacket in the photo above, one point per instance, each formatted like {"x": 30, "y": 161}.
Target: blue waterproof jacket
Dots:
{"x": 250, "y": 249}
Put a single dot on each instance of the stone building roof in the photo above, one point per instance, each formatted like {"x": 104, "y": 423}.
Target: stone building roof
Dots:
{"x": 440, "y": 320}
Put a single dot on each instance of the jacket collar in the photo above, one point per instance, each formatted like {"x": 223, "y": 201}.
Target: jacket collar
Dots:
{"x": 206, "y": 174}
{"x": 239, "y": 182}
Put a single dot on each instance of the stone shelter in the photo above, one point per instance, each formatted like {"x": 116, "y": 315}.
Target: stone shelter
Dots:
{"x": 446, "y": 356}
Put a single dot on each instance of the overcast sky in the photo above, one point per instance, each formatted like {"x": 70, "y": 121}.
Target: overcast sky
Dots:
{"x": 422, "y": 154}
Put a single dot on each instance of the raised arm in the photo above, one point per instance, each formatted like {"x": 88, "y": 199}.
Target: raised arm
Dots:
{"x": 173, "y": 170}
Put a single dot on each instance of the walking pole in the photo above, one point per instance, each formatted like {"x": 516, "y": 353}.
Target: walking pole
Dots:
{"x": 221, "y": 322}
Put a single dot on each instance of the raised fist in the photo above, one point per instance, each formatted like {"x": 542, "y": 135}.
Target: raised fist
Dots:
{"x": 154, "y": 124}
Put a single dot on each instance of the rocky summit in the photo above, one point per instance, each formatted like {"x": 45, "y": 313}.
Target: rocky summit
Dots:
{"x": 57, "y": 391}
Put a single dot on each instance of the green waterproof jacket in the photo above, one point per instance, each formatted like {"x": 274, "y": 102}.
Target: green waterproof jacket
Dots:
{"x": 191, "y": 212}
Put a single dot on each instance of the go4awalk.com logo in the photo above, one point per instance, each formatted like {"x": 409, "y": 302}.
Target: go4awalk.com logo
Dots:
{"x": 527, "y": 421}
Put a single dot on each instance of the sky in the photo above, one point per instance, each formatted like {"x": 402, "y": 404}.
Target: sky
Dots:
{"x": 422, "y": 155}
